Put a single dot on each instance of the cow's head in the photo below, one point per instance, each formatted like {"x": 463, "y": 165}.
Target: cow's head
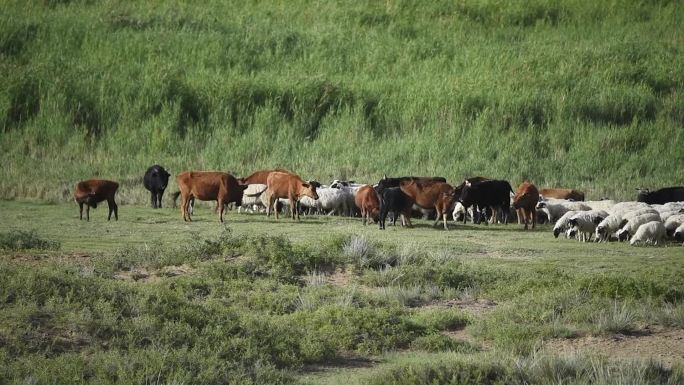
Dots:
{"x": 309, "y": 189}
{"x": 642, "y": 194}
{"x": 160, "y": 177}
{"x": 467, "y": 195}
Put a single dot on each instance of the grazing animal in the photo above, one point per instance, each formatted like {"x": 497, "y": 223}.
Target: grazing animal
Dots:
{"x": 679, "y": 233}
{"x": 93, "y": 191}
{"x": 330, "y": 201}
{"x": 583, "y": 224}
{"x": 524, "y": 202}
{"x": 607, "y": 227}
{"x": 286, "y": 185}
{"x": 386, "y": 182}
{"x": 555, "y": 208}
{"x": 430, "y": 194}
{"x": 208, "y": 186}
{"x": 672, "y": 223}
{"x": 490, "y": 193}
{"x": 562, "y": 193}
{"x": 394, "y": 200}
{"x": 260, "y": 177}
{"x": 633, "y": 224}
{"x": 650, "y": 232}
{"x": 605, "y": 204}
{"x": 155, "y": 181}
{"x": 253, "y": 196}
{"x": 563, "y": 223}
{"x": 368, "y": 202}
{"x": 662, "y": 196}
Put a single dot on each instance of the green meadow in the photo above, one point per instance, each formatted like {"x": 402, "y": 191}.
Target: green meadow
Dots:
{"x": 153, "y": 299}
{"x": 572, "y": 93}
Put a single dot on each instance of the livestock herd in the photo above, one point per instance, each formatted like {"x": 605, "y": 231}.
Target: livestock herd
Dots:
{"x": 654, "y": 217}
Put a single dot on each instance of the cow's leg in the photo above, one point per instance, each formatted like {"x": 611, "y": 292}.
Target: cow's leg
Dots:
{"x": 220, "y": 206}
{"x": 80, "y": 211}
{"x": 87, "y": 212}
{"x": 444, "y": 219}
{"x": 153, "y": 199}
{"x": 533, "y": 216}
{"x": 438, "y": 216}
{"x": 408, "y": 220}
{"x": 160, "y": 194}
{"x": 112, "y": 209}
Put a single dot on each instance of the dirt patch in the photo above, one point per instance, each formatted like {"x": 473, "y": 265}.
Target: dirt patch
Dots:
{"x": 475, "y": 307}
{"x": 341, "y": 277}
{"x": 665, "y": 346}
{"x": 144, "y": 275}
{"x": 463, "y": 335}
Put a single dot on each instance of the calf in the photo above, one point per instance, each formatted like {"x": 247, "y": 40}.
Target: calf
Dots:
{"x": 155, "y": 181}
{"x": 524, "y": 202}
{"x": 489, "y": 193}
{"x": 662, "y": 196}
{"x": 208, "y": 186}
{"x": 562, "y": 193}
{"x": 430, "y": 194}
{"x": 394, "y": 200}
{"x": 368, "y": 202}
{"x": 91, "y": 192}
{"x": 290, "y": 186}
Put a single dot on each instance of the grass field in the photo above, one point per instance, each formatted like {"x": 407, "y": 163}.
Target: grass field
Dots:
{"x": 151, "y": 299}
{"x": 565, "y": 93}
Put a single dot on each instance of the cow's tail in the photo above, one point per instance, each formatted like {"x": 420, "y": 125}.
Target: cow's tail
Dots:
{"x": 175, "y": 196}
{"x": 257, "y": 194}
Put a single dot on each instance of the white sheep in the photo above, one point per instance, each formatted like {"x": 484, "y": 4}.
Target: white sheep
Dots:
{"x": 253, "y": 196}
{"x": 649, "y": 232}
{"x": 330, "y": 200}
{"x": 556, "y": 208}
{"x": 679, "y": 233}
{"x": 626, "y": 217}
{"x": 562, "y": 224}
{"x": 606, "y": 204}
{"x": 633, "y": 224}
{"x": 608, "y": 226}
{"x": 622, "y": 208}
{"x": 583, "y": 224}
{"x": 672, "y": 223}
{"x": 665, "y": 215}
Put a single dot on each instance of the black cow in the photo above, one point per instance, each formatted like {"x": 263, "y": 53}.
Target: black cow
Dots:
{"x": 156, "y": 179}
{"x": 489, "y": 193}
{"x": 662, "y": 196}
{"x": 394, "y": 200}
{"x": 386, "y": 182}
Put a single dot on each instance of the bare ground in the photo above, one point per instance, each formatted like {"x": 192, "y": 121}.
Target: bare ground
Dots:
{"x": 664, "y": 346}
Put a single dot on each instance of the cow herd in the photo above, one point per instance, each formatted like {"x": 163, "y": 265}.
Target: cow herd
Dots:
{"x": 655, "y": 216}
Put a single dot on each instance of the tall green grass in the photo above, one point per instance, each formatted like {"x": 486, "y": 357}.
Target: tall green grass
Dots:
{"x": 560, "y": 92}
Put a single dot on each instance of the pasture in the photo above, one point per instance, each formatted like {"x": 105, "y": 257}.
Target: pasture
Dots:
{"x": 152, "y": 299}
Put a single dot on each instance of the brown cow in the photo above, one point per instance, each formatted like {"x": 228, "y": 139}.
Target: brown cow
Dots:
{"x": 525, "y": 202}
{"x": 208, "y": 186}
{"x": 368, "y": 202}
{"x": 431, "y": 194}
{"x": 91, "y": 192}
{"x": 562, "y": 193}
{"x": 286, "y": 185}
{"x": 260, "y": 177}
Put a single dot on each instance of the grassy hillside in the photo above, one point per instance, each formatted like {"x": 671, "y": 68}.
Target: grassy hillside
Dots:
{"x": 574, "y": 93}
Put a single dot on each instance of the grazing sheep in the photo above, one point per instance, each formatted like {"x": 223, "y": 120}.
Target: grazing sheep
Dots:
{"x": 556, "y": 208}
{"x": 583, "y": 224}
{"x": 679, "y": 233}
{"x": 606, "y": 204}
{"x": 608, "y": 226}
{"x": 633, "y": 224}
{"x": 563, "y": 223}
{"x": 665, "y": 215}
{"x": 330, "y": 201}
{"x": 650, "y": 232}
{"x": 626, "y": 217}
{"x": 672, "y": 223}
{"x": 622, "y": 208}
